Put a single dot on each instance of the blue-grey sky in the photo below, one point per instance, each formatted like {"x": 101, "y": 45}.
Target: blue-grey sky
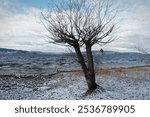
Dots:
{"x": 20, "y": 27}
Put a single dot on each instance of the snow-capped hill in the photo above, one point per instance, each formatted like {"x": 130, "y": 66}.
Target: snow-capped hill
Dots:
{"x": 11, "y": 51}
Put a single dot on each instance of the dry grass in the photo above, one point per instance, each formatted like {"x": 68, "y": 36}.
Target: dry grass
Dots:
{"x": 117, "y": 71}
{"x": 112, "y": 71}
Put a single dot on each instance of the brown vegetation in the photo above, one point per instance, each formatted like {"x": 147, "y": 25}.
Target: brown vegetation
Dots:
{"x": 118, "y": 71}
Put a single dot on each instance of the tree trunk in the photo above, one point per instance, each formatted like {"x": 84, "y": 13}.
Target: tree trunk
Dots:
{"x": 88, "y": 71}
{"x": 81, "y": 59}
{"x": 91, "y": 77}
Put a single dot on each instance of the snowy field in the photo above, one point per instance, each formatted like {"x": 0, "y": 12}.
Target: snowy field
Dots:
{"x": 28, "y": 75}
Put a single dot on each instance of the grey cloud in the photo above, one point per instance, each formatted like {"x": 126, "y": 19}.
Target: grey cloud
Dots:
{"x": 25, "y": 43}
{"x": 130, "y": 41}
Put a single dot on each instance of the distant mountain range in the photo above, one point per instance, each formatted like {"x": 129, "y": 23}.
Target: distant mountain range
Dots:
{"x": 13, "y": 51}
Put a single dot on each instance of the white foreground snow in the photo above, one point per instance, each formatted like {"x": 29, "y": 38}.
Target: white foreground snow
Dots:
{"x": 126, "y": 84}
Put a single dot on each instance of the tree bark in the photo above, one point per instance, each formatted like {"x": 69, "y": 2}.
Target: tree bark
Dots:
{"x": 88, "y": 71}
{"x": 91, "y": 77}
{"x": 81, "y": 59}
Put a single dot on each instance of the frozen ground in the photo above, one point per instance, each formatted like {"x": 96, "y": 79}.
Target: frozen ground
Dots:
{"x": 29, "y": 76}
{"x": 119, "y": 83}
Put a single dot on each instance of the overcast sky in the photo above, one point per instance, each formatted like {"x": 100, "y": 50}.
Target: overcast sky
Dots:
{"x": 20, "y": 27}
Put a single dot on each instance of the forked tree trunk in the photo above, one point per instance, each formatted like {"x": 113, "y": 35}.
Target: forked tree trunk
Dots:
{"x": 88, "y": 71}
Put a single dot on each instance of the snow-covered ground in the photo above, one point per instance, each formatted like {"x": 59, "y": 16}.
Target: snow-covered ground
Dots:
{"x": 120, "y": 83}
{"x": 33, "y": 76}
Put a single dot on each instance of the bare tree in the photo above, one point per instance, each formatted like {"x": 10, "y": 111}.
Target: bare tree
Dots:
{"x": 81, "y": 24}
